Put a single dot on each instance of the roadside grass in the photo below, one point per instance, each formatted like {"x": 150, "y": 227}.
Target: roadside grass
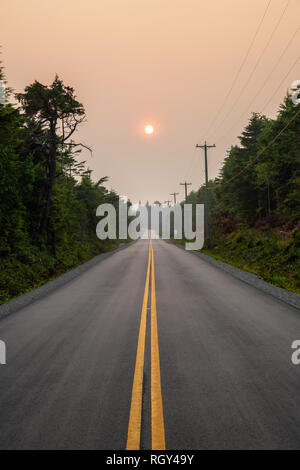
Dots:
{"x": 266, "y": 254}
{"x": 31, "y": 268}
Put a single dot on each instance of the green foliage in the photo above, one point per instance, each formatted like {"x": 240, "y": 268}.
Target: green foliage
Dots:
{"x": 268, "y": 174}
{"x": 255, "y": 202}
{"x": 52, "y": 115}
{"x": 50, "y": 103}
{"x": 270, "y": 256}
{"x": 34, "y": 179}
{"x": 242, "y": 195}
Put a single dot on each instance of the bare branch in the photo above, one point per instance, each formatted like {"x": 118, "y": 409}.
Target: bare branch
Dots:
{"x": 72, "y": 144}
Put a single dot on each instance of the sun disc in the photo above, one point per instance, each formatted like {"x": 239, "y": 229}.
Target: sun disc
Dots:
{"x": 149, "y": 129}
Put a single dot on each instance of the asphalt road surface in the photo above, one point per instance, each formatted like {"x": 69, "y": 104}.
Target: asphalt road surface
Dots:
{"x": 151, "y": 352}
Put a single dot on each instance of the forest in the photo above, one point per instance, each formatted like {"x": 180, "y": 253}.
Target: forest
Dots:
{"x": 255, "y": 200}
{"x": 48, "y": 198}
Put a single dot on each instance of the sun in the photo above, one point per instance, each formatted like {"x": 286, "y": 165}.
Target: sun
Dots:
{"x": 149, "y": 129}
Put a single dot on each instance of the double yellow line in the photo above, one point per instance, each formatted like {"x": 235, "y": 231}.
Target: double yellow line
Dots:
{"x": 135, "y": 417}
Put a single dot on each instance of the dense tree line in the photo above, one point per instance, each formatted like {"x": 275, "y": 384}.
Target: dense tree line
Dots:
{"x": 260, "y": 180}
{"x": 48, "y": 199}
{"x": 255, "y": 201}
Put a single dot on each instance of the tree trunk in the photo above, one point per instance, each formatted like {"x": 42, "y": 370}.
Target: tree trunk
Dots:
{"x": 51, "y": 178}
{"x": 269, "y": 201}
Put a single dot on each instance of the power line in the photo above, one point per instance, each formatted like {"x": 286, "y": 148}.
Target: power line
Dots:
{"x": 264, "y": 83}
{"x": 256, "y": 65}
{"x": 192, "y": 161}
{"x": 259, "y": 153}
{"x": 240, "y": 68}
{"x": 289, "y": 71}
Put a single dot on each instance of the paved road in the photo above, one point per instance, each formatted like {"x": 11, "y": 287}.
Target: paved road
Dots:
{"x": 224, "y": 360}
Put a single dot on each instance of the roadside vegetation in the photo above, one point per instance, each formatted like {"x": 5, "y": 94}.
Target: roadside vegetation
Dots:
{"x": 47, "y": 196}
{"x": 255, "y": 201}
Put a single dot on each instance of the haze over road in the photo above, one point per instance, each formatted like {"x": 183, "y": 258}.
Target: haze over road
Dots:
{"x": 223, "y": 359}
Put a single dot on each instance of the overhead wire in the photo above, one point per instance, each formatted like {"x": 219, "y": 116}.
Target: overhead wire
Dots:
{"x": 240, "y": 68}
{"x": 259, "y": 153}
{"x": 265, "y": 82}
{"x": 281, "y": 83}
{"x": 255, "y": 66}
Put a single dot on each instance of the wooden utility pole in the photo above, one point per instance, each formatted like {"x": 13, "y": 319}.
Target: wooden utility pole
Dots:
{"x": 205, "y": 147}
{"x": 174, "y": 195}
{"x": 185, "y": 184}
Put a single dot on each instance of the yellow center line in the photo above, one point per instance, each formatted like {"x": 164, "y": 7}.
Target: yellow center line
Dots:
{"x": 157, "y": 417}
{"x": 135, "y": 417}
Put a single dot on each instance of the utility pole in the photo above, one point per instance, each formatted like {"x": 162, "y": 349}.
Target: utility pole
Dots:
{"x": 205, "y": 147}
{"x": 185, "y": 184}
{"x": 174, "y": 195}
{"x": 167, "y": 202}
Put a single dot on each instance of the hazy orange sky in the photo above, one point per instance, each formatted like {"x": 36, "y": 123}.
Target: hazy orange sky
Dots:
{"x": 164, "y": 62}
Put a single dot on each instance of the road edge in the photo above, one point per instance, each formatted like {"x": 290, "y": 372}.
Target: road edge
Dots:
{"x": 279, "y": 293}
{"x": 24, "y": 300}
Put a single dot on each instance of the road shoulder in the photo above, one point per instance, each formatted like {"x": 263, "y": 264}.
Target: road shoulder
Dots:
{"x": 277, "y": 292}
{"x": 23, "y": 300}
